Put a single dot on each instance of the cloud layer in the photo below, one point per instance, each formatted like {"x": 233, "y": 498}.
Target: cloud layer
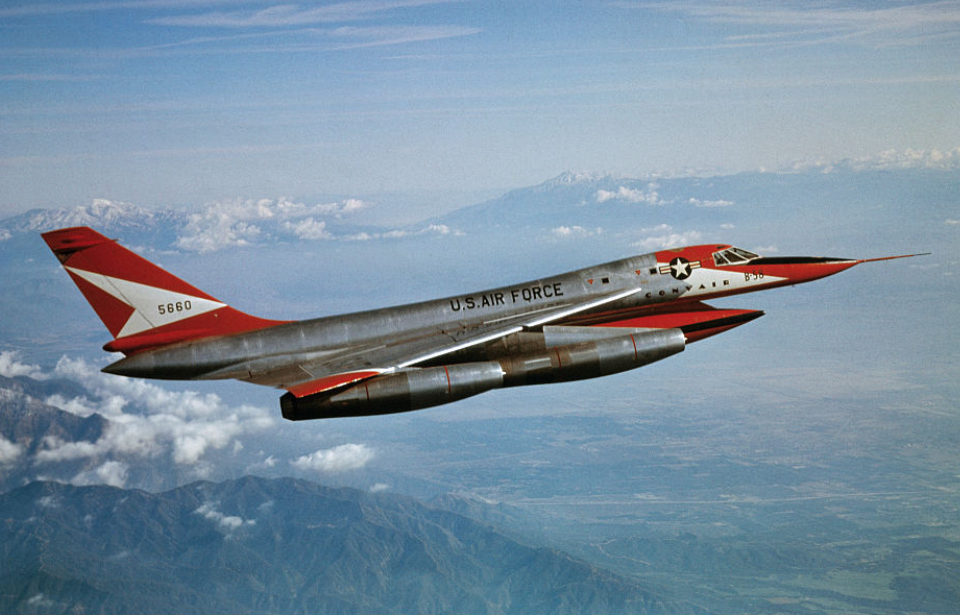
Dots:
{"x": 225, "y": 523}
{"x": 238, "y": 222}
{"x": 11, "y": 367}
{"x": 631, "y": 195}
{"x": 146, "y": 422}
{"x": 179, "y": 433}
{"x": 664, "y": 236}
{"x": 291, "y": 15}
{"x": 778, "y": 22}
{"x": 228, "y": 223}
{"x": 337, "y": 459}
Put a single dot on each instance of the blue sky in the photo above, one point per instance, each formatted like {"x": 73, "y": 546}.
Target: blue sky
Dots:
{"x": 176, "y": 102}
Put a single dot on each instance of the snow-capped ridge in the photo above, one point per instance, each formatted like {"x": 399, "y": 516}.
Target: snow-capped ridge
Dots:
{"x": 568, "y": 178}
{"x": 217, "y": 225}
{"x": 100, "y": 212}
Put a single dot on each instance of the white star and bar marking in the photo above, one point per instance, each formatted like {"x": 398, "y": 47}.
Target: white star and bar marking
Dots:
{"x": 680, "y": 268}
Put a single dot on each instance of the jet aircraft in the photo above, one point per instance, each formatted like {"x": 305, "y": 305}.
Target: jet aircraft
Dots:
{"x": 586, "y": 323}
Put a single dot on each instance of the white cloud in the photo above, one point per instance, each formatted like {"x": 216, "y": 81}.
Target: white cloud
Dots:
{"x": 82, "y": 406}
{"x": 56, "y": 450}
{"x": 147, "y": 421}
{"x": 205, "y": 233}
{"x": 309, "y": 229}
{"x": 888, "y": 160}
{"x": 230, "y": 223}
{"x": 432, "y": 229}
{"x": 719, "y": 203}
{"x": 399, "y": 34}
{"x": 11, "y": 367}
{"x": 671, "y": 240}
{"x": 379, "y": 487}
{"x": 222, "y": 224}
{"x": 660, "y": 228}
{"x": 226, "y": 523}
{"x": 237, "y": 222}
{"x": 439, "y": 229}
{"x": 41, "y": 601}
{"x": 285, "y": 209}
{"x": 631, "y": 195}
{"x": 113, "y": 473}
{"x": 49, "y": 501}
{"x": 896, "y": 23}
{"x": 234, "y": 222}
{"x": 351, "y": 205}
{"x": 337, "y": 459}
{"x": 266, "y": 464}
{"x": 570, "y": 232}
{"x": 9, "y": 451}
{"x": 951, "y": 221}
{"x": 294, "y": 16}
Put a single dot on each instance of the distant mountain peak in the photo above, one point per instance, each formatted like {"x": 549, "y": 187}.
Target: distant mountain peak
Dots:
{"x": 577, "y": 177}
{"x": 100, "y": 212}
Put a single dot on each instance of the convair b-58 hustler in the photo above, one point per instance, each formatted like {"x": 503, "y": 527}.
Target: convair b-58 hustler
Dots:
{"x": 587, "y": 323}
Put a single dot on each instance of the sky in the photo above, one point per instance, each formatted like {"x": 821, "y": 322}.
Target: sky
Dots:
{"x": 179, "y": 102}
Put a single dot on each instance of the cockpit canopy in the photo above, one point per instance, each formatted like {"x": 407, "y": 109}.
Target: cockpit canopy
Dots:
{"x": 733, "y": 256}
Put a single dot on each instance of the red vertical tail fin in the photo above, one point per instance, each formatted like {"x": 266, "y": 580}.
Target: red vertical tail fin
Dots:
{"x": 141, "y": 305}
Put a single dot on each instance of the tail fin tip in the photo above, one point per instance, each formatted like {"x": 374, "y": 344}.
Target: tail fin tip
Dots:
{"x": 66, "y": 241}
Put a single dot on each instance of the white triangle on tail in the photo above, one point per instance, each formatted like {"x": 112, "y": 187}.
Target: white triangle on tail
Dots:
{"x": 153, "y": 307}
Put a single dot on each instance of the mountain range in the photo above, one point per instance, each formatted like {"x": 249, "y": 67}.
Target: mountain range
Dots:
{"x": 254, "y": 545}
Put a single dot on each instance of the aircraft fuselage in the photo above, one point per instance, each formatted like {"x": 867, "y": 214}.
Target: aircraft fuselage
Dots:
{"x": 586, "y": 323}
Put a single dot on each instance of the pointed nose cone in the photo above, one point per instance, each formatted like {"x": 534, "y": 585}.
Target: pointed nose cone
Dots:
{"x": 798, "y": 269}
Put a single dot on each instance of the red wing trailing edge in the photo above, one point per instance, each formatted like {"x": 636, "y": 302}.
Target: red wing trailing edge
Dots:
{"x": 328, "y": 383}
{"x": 587, "y": 323}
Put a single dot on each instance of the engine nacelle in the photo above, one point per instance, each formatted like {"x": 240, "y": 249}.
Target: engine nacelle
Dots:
{"x": 601, "y": 357}
{"x": 399, "y": 392}
{"x": 414, "y": 389}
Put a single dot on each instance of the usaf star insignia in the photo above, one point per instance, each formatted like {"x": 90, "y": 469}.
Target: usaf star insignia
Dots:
{"x": 680, "y": 268}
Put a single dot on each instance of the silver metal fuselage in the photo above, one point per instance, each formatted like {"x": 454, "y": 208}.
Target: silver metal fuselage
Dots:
{"x": 257, "y": 356}
{"x": 587, "y": 323}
